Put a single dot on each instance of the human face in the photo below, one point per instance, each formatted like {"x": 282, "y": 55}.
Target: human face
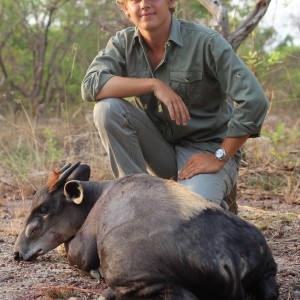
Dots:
{"x": 149, "y": 15}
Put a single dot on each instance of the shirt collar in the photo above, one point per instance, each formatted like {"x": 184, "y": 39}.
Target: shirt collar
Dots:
{"x": 175, "y": 33}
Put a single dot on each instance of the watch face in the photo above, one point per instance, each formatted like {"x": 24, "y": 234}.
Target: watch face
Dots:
{"x": 220, "y": 154}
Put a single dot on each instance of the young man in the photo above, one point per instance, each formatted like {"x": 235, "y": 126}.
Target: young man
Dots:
{"x": 181, "y": 74}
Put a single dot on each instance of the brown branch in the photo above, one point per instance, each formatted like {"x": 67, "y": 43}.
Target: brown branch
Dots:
{"x": 219, "y": 11}
{"x": 242, "y": 32}
{"x": 3, "y": 68}
{"x": 2, "y": 63}
{"x": 41, "y": 53}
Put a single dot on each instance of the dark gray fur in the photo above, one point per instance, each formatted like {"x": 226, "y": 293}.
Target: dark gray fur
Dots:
{"x": 154, "y": 239}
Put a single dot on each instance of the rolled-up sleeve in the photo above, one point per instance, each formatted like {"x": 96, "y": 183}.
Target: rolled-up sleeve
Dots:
{"x": 108, "y": 63}
{"x": 239, "y": 84}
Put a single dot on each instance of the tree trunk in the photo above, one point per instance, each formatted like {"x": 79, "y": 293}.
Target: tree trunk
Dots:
{"x": 220, "y": 13}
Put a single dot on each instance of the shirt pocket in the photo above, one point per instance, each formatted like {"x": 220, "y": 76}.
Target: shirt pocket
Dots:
{"x": 188, "y": 85}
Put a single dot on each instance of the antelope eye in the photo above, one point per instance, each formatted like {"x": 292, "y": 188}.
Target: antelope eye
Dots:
{"x": 43, "y": 210}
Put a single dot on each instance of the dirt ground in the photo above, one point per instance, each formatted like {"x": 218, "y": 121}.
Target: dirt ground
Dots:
{"x": 50, "y": 276}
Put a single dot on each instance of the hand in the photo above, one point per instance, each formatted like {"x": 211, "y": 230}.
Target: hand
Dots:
{"x": 202, "y": 163}
{"x": 175, "y": 105}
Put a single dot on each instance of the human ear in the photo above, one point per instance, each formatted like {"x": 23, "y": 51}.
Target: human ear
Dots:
{"x": 171, "y": 3}
{"x": 125, "y": 10}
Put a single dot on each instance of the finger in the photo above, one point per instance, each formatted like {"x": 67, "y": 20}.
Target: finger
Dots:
{"x": 187, "y": 172}
{"x": 177, "y": 113}
{"x": 171, "y": 111}
{"x": 174, "y": 112}
{"x": 184, "y": 113}
{"x": 181, "y": 115}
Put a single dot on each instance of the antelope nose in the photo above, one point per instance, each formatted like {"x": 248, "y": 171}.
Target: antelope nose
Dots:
{"x": 17, "y": 256}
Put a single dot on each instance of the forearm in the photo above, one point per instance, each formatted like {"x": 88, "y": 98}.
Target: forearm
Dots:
{"x": 122, "y": 87}
{"x": 206, "y": 163}
{"x": 233, "y": 144}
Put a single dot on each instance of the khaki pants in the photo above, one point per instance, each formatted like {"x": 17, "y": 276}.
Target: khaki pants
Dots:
{"x": 135, "y": 145}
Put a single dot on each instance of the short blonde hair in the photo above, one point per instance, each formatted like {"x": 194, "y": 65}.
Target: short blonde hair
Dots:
{"x": 123, "y": 2}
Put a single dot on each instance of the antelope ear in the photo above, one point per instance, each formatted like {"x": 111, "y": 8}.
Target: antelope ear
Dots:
{"x": 73, "y": 191}
{"x": 82, "y": 173}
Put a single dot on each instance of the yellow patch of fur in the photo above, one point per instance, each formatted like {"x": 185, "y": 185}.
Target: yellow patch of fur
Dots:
{"x": 189, "y": 202}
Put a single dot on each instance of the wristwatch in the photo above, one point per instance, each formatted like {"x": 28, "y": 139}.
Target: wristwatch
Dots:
{"x": 221, "y": 155}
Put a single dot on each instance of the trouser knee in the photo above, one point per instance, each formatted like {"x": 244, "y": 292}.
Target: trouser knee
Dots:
{"x": 106, "y": 113}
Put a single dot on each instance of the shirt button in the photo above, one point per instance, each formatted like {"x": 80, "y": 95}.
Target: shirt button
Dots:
{"x": 186, "y": 80}
{"x": 168, "y": 44}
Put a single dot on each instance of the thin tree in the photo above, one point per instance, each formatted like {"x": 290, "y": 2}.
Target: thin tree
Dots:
{"x": 219, "y": 11}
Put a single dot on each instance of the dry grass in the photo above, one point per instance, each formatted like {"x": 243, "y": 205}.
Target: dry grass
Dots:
{"x": 267, "y": 220}
{"x": 68, "y": 292}
{"x": 29, "y": 151}
{"x": 271, "y": 163}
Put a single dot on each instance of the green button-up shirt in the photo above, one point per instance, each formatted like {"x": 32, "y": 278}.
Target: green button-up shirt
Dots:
{"x": 201, "y": 67}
